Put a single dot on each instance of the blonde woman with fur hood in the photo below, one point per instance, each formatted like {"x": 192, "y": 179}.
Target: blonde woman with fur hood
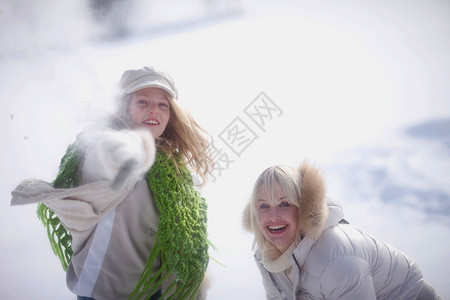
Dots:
{"x": 306, "y": 250}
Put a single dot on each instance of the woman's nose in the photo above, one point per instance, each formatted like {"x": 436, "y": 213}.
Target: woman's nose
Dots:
{"x": 273, "y": 213}
{"x": 152, "y": 107}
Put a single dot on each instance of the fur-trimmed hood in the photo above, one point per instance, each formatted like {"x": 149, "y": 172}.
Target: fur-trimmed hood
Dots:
{"x": 314, "y": 209}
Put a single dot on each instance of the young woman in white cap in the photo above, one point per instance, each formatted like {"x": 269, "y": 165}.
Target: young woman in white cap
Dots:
{"x": 306, "y": 250}
{"x": 123, "y": 215}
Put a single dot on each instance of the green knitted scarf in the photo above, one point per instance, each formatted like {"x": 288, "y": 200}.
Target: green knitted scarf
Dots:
{"x": 181, "y": 241}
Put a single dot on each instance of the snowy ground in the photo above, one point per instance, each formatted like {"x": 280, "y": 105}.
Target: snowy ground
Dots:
{"x": 359, "y": 89}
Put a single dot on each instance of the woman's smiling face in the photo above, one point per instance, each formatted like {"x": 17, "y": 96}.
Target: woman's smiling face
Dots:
{"x": 277, "y": 218}
{"x": 149, "y": 108}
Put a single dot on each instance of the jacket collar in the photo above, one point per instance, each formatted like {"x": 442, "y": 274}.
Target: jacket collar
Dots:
{"x": 335, "y": 214}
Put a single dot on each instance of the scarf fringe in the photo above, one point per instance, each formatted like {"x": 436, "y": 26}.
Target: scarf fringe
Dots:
{"x": 60, "y": 239}
{"x": 149, "y": 283}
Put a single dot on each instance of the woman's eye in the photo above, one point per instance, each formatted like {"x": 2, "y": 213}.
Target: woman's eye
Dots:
{"x": 142, "y": 102}
{"x": 163, "y": 105}
{"x": 263, "y": 206}
{"x": 284, "y": 204}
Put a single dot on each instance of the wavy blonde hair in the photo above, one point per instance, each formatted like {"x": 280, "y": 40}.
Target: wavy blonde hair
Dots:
{"x": 183, "y": 136}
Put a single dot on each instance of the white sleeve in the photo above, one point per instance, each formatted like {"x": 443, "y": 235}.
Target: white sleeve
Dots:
{"x": 107, "y": 152}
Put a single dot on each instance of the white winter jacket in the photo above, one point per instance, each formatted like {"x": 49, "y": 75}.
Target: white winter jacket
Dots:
{"x": 337, "y": 261}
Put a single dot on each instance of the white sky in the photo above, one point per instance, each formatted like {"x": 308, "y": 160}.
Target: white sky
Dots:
{"x": 349, "y": 77}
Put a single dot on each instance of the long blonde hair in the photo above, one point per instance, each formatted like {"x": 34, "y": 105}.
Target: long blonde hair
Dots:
{"x": 183, "y": 136}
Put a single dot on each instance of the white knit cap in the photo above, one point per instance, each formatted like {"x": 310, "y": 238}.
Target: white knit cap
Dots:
{"x": 135, "y": 80}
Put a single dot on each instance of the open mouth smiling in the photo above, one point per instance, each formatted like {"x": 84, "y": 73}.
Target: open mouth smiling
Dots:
{"x": 151, "y": 122}
{"x": 276, "y": 228}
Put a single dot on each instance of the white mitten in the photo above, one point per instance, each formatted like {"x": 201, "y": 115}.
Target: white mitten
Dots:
{"x": 119, "y": 156}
